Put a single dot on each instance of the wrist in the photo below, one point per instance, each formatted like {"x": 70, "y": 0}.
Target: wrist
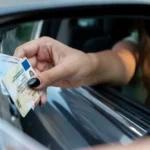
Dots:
{"x": 93, "y": 69}
{"x": 101, "y": 68}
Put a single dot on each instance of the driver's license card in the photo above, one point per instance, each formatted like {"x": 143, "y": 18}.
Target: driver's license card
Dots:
{"x": 15, "y": 82}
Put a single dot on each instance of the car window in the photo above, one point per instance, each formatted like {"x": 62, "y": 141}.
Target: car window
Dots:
{"x": 64, "y": 114}
{"x": 98, "y": 34}
{"x": 86, "y": 34}
{"x": 15, "y": 36}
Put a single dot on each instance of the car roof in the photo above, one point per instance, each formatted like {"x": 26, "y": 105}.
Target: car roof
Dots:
{"x": 13, "y": 6}
{"x": 22, "y": 2}
{"x": 17, "y": 11}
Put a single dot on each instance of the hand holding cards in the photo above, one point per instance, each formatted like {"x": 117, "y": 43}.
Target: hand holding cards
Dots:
{"x": 15, "y": 82}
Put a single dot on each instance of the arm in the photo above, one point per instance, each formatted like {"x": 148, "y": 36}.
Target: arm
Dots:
{"x": 116, "y": 66}
{"x": 63, "y": 66}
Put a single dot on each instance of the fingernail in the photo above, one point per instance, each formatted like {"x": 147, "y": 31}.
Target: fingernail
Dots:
{"x": 34, "y": 82}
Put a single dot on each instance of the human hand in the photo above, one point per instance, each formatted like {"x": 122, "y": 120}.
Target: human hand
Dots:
{"x": 56, "y": 64}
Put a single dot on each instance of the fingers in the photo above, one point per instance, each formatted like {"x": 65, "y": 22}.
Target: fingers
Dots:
{"x": 33, "y": 61}
{"x": 44, "y": 79}
{"x": 37, "y": 102}
{"x": 42, "y": 100}
{"x": 27, "y": 50}
{"x": 31, "y": 48}
{"x": 42, "y": 66}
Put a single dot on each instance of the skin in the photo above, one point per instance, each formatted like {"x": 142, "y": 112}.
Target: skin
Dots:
{"x": 142, "y": 144}
{"x": 59, "y": 65}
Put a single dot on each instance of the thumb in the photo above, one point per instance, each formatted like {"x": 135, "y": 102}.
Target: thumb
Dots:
{"x": 44, "y": 79}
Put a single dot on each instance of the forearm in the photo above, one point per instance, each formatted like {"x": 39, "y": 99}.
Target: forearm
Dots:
{"x": 107, "y": 68}
{"x": 114, "y": 67}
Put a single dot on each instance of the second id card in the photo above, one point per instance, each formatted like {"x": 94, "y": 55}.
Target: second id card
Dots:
{"x": 16, "y": 83}
{"x": 6, "y": 63}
